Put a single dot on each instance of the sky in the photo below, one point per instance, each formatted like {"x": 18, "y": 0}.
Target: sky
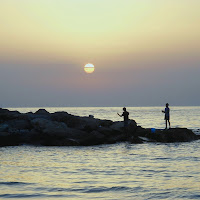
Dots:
{"x": 145, "y": 53}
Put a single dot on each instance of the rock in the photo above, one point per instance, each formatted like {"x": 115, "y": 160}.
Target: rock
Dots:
{"x": 117, "y": 126}
{"x": 93, "y": 138}
{"x": 42, "y": 112}
{"x": 8, "y": 139}
{"x": 6, "y": 115}
{"x": 135, "y": 140}
{"x": 90, "y": 124}
{"x": 105, "y": 123}
{"x": 63, "y": 129}
{"x": 172, "y": 135}
{"x": 116, "y": 138}
{"x": 4, "y": 127}
{"x": 75, "y": 122}
{"x": 19, "y": 124}
{"x": 47, "y": 126}
{"x": 60, "y": 117}
{"x": 142, "y": 131}
{"x": 56, "y": 133}
{"x": 107, "y": 132}
{"x": 131, "y": 128}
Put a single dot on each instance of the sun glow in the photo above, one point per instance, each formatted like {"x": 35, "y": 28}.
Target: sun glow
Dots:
{"x": 89, "y": 68}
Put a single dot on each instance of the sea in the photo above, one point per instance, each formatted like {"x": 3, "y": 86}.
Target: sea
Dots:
{"x": 108, "y": 172}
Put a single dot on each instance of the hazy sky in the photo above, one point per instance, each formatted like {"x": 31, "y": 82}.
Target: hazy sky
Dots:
{"x": 145, "y": 52}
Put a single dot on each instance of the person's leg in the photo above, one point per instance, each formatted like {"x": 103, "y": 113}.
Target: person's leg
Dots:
{"x": 169, "y": 124}
{"x": 165, "y": 124}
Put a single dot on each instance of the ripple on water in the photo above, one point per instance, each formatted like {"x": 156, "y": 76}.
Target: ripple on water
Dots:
{"x": 119, "y": 171}
{"x": 14, "y": 183}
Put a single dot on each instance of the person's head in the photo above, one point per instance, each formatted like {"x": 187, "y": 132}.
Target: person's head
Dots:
{"x": 124, "y": 109}
{"x": 167, "y": 105}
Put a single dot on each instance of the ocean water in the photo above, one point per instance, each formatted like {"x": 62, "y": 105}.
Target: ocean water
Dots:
{"x": 117, "y": 171}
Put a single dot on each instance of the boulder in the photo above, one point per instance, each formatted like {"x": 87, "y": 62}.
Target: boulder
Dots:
{"x": 9, "y": 139}
{"x": 60, "y": 117}
{"x": 107, "y": 132}
{"x": 55, "y": 133}
{"x": 6, "y": 115}
{"x": 93, "y": 138}
{"x": 19, "y": 124}
{"x": 117, "y": 126}
{"x": 47, "y": 126}
{"x": 90, "y": 124}
{"x": 131, "y": 128}
{"x": 4, "y": 127}
{"x": 42, "y": 112}
{"x": 135, "y": 140}
{"x": 172, "y": 135}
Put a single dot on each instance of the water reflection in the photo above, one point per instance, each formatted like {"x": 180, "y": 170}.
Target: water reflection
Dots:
{"x": 106, "y": 171}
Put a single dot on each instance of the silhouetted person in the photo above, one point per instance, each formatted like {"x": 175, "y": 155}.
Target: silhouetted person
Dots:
{"x": 167, "y": 115}
{"x": 125, "y": 114}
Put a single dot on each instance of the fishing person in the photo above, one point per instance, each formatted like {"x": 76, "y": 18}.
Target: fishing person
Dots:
{"x": 167, "y": 115}
{"x": 125, "y": 114}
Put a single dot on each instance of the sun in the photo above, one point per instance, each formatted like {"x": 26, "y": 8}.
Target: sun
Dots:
{"x": 89, "y": 68}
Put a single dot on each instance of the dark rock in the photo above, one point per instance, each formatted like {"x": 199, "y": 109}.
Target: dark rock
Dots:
{"x": 131, "y": 128}
{"x": 47, "y": 126}
{"x": 8, "y": 139}
{"x": 93, "y": 138}
{"x": 116, "y": 138}
{"x": 107, "y": 132}
{"x": 60, "y": 117}
{"x": 6, "y": 115}
{"x": 135, "y": 140}
{"x": 4, "y": 127}
{"x": 142, "y": 131}
{"x": 63, "y": 129}
{"x": 105, "y": 123}
{"x": 42, "y": 112}
{"x": 172, "y": 135}
{"x": 19, "y": 124}
{"x": 57, "y": 133}
{"x": 117, "y": 126}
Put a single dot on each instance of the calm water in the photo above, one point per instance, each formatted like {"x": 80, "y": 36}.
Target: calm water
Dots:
{"x": 119, "y": 171}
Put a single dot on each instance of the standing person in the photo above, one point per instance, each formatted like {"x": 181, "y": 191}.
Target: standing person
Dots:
{"x": 167, "y": 116}
{"x": 125, "y": 114}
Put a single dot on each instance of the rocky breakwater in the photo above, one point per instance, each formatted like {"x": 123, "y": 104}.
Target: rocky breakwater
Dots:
{"x": 64, "y": 129}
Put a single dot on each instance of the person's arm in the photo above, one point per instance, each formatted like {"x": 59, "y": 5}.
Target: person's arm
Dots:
{"x": 119, "y": 115}
{"x": 164, "y": 111}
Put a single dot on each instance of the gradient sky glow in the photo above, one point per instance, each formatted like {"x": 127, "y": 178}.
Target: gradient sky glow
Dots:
{"x": 145, "y": 52}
